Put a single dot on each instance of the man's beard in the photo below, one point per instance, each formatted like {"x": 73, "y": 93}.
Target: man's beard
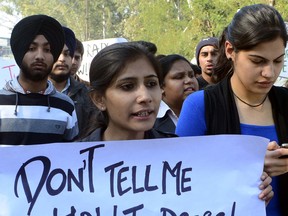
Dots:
{"x": 73, "y": 70}
{"x": 35, "y": 75}
{"x": 58, "y": 78}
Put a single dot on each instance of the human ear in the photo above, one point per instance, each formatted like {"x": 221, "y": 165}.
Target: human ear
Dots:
{"x": 229, "y": 51}
{"x": 98, "y": 101}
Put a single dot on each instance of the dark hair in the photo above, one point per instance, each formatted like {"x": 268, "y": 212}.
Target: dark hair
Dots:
{"x": 110, "y": 61}
{"x": 196, "y": 69}
{"x": 151, "y": 47}
{"x": 79, "y": 47}
{"x": 160, "y": 56}
{"x": 167, "y": 62}
{"x": 250, "y": 26}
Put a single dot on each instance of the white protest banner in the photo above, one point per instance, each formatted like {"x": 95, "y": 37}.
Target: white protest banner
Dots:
{"x": 8, "y": 70}
{"x": 187, "y": 176}
{"x": 91, "y": 48}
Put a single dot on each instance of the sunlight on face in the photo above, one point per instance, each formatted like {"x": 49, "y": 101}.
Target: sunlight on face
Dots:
{"x": 133, "y": 99}
{"x": 257, "y": 70}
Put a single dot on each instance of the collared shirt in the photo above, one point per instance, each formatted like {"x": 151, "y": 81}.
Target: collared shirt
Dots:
{"x": 163, "y": 109}
{"x": 65, "y": 89}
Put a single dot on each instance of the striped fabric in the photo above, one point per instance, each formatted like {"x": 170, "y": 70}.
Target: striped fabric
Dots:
{"x": 36, "y": 118}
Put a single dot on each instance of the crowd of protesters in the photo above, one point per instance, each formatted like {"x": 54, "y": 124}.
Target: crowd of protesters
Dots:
{"x": 135, "y": 93}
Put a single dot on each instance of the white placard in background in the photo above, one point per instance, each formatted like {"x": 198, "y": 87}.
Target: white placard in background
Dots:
{"x": 91, "y": 48}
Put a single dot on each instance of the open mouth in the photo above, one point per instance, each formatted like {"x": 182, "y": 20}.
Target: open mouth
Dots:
{"x": 189, "y": 89}
{"x": 210, "y": 66}
{"x": 142, "y": 113}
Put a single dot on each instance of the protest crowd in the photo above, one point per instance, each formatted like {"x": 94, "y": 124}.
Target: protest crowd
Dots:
{"x": 136, "y": 93}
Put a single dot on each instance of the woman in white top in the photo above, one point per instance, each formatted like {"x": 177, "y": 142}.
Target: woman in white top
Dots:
{"x": 179, "y": 82}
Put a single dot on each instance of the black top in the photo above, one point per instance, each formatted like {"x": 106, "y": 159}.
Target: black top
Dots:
{"x": 222, "y": 118}
{"x": 151, "y": 134}
{"x": 165, "y": 124}
{"x": 202, "y": 82}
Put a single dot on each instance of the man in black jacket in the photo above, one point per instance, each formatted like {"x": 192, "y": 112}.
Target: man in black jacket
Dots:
{"x": 206, "y": 54}
{"x": 65, "y": 83}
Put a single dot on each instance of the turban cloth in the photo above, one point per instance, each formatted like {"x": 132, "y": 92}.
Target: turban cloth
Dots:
{"x": 70, "y": 40}
{"x": 28, "y": 28}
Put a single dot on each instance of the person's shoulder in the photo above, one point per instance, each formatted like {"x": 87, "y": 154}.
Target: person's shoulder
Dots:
{"x": 154, "y": 133}
{"x": 196, "y": 96}
{"x": 62, "y": 97}
{"x": 6, "y": 92}
{"x": 78, "y": 86}
{"x": 280, "y": 94}
{"x": 281, "y": 90}
{"x": 96, "y": 135}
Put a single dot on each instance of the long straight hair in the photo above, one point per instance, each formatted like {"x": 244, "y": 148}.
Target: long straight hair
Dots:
{"x": 251, "y": 26}
{"x": 109, "y": 62}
